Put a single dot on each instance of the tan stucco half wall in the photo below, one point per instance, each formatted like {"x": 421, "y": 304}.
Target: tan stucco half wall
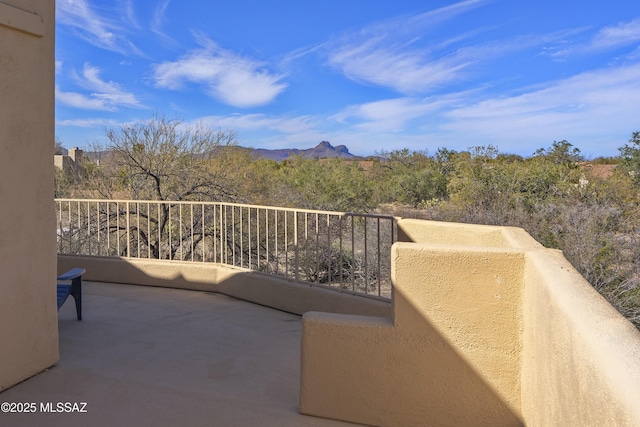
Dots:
{"x": 263, "y": 289}
{"x": 451, "y": 355}
{"x": 28, "y": 312}
{"x": 451, "y": 233}
{"x": 581, "y": 358}
{"x": 481, "y": 335}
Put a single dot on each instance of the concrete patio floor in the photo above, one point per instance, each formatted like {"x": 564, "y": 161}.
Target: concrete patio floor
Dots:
{"x": 149, "y": 356}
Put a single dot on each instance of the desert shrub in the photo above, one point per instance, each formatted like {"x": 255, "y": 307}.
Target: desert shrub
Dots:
{"x": 592, "y": 220}
{"x": 409, "y": 178}
{"x": 332, "y": 184}
{"x": 562, "y": 204}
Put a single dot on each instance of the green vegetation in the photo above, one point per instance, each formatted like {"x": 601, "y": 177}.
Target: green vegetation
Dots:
{"x": 589, "y": 210}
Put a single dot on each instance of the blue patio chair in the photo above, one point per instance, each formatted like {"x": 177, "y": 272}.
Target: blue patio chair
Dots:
{"x": 74, "y": 288}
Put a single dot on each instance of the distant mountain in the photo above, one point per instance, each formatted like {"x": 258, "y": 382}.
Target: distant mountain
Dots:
{"x": 323, "y": 150}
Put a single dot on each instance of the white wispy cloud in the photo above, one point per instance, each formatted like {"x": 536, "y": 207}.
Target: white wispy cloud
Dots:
{"x": 281, "y": 124}
{"x": 81, "y": 101}
{"x": 98, "y": 29}
{"x": 407, "y": 71}
{"x": 158, "y": 20}
{"x": 611, "y": 37}
{"x": 231, "y": 78}
{"x": 88, "y": 123}
{"x": 127, "y": 7}
{"x": 583, "y": 109}
{"x": 389, "y": 115}
{"x": 104, "y": 95}
{"x": 622, "y": 34}
{"x": 411, "y": 25}
{"x": 586, "y": 109}
{"x": 418, "y": 71}
{"x": 389, "y": 54}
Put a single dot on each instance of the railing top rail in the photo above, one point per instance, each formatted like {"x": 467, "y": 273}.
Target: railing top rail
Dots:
{"x": 184, "y": 202}
{"x": 367, "y": 215}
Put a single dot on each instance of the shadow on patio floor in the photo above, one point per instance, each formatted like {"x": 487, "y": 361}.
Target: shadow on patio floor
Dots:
{"x": 164, "y": 357}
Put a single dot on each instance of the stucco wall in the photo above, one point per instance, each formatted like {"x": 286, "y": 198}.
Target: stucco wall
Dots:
{"x": 268, "y": 290}
{"x": 449, "y": 357}
{"x": 28, "y": 313}
{"x": 490, "y": 329}
{"x": 581, "y": 358}
{"x": 451, "y": 233}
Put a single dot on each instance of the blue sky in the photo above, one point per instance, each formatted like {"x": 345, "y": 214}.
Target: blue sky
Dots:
{"x": 373, "y": 75}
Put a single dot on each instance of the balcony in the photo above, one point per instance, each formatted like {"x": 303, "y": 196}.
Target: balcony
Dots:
{"x": 153, "y": 356}
{"x": 483, "y": 325}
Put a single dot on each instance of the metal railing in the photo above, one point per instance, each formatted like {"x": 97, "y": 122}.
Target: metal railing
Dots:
{"x": 343, "y": 251}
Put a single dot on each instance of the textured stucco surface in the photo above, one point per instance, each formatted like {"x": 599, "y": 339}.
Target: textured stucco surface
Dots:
{"x": 28, "y": 326}
{"x": 581, "y": 358}
{"x": 490, "y": 329}
{"x": 448, "y": 233}
{"x": 271, "y": 291}
{"x": 451, "y": 233}
{"x": 449, "y": 357}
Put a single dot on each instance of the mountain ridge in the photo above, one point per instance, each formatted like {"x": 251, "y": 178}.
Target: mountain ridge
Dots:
{"x": 323, "y": 150}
